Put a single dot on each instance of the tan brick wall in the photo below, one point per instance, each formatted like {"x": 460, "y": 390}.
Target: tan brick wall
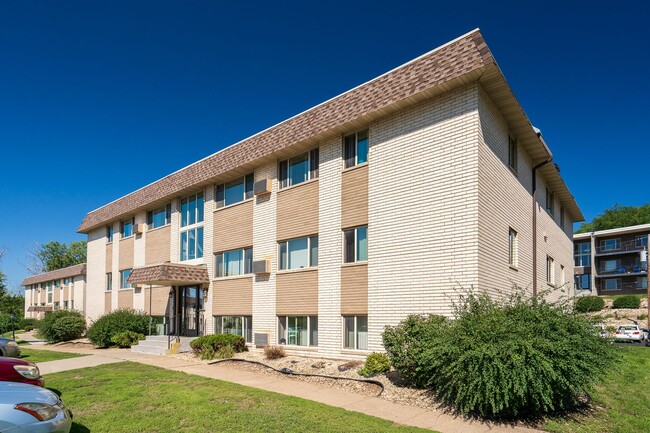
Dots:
{"x": 125, "y": 298}
{"x": 126, "y": 257}
{"x": 354, "y": 289}
{"x": 157, "y": 248}
{"x": 354, "y": 197}
{"x": 297, "y": 211}
{"x": 96, "y": 274}
{"x": 233, "y": 227}
{"x": 156, "y": 299}
{"x": 297, "y": 293}
{"x": 233, "y": 296}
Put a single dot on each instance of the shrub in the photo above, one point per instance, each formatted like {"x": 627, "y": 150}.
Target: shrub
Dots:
{"x": 107, "y": 326}
{"x": 225, "y": 352}
{"x": 376, "y": 363}
{"x": 28, "y": 324}
{"x": 210, "y": 346}
{"x": 642, "y": 316}
{"x": 627, "y": 301}
{"x": 587, "y": 304}
{"x": 62, "y": 325}
{"x": 274, "y": 352}
{"x": 126, "y": 339}
{"x": 502, "y": 359}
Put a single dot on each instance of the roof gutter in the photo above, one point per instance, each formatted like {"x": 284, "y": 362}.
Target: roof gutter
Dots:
{"x": 548, "y": 159}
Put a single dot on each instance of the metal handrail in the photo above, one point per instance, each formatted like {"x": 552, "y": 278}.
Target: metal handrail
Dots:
{"x": 626, "y": 269}
{"x": 623, "y": 247}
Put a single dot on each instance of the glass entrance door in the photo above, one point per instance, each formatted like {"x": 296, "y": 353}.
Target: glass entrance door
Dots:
{"x": 189, "y": 310}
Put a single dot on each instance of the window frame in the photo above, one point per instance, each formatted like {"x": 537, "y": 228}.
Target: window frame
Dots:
{"x": 151, "y": 214}
{"x": 617, "y": 244}
{"x": 123, "y": 284}
{"x": 579, "y": 255}
{"x": 513, "y": 247}
{"x": 550, "y": 270}
{"x": 606, "y": 280}
{"x": 108, "y": 282}
{"x": 641, "y": 244}
{"x": 513, "y": 155}
{"x": 248, "y": 193}
{"x": 199, "y": 234}
{"x": 199, "y": 210}
{"x": 356, "y": 245}
{"x": 550, "y": 202}
{"x": 355, "y": 332}
{"x": 246, "y": 262}
{"x": 353, "y": 160}
{"x": 110, "y": 233}
{"x": 283, "y": 262}
{"x": 247, "y": 325}
{"x": 285, "y": 334}
{"x": 123, "y": 225}
{"x": 284, "y": 175}
{"x": 196, "y": 227}
{"x": 578, "y": 283}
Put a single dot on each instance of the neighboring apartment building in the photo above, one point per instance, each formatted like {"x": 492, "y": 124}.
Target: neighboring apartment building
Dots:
{"x": 390, "y": 199}
{"x": 612, "y": 262}
{"x": 61, "y": 289}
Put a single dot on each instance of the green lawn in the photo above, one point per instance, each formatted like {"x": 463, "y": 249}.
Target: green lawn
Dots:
{"x": 622, "y": 402}
{"x": 130, "y": 397}
{"x": 35, "y": 355}
{"x": 10, "y": 334}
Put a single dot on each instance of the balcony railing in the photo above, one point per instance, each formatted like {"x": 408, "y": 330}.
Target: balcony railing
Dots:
{"x": 635, "y": 268}
{"x": 627, "y": 285}
{"x": 622, "y": 247}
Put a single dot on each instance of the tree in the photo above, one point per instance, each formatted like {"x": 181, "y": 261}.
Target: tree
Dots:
{"x": 9, "y": 303}
{"x": 56, "y": 255}
{"x": 618, "y": 216}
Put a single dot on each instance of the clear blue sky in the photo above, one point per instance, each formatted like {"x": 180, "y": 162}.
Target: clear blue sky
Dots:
{"x": 156, "y": 85}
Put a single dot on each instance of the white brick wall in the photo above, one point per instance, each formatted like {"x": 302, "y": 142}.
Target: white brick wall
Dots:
{"x": 208, "y": 254}
{"x": 96, "y": 273}
{"x": 330, "y": 246}
{"x": 264, "y": 247}
{"x": 423, "y": 209}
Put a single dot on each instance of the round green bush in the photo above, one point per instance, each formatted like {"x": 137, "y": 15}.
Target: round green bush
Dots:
{"x": 28, "y": 323}
{"x": 587, "y": 304}
{"x": 502, "y": 359}
{"x": 62, "y": 325}
{"x": 627, "y": 301}
{"x": 210, "y": 346}
{"x": 107, "y": 326}
{"x": 376, "y": 363}
{"x": 127, "y": 339}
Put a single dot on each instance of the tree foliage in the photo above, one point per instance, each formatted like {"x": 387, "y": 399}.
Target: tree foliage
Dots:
{"x": 10, "y": 303}
{"x": 618, "y": 216}
{"x": 56, "y": 255}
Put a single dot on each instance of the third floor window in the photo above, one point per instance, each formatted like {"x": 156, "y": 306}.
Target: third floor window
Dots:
{"x": 159, "y": 217}
{"x": 235, "y": 191}
{"x": 192, "y": 209}
{"x": 582, "y": 253}
{"x": 298, "y": 169}
{"x": 126, "y": 227}
{"x": 355, "y": 149}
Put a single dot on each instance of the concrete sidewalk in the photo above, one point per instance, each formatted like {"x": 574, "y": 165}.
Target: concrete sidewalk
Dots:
{"x": 401, "y": 414}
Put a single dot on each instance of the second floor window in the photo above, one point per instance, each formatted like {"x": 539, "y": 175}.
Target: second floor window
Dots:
{"x": 356, "y": 245}
{"x": 124, "y": 275}
{"x": 512, "y": 248}
{"x": 582, "y": 253}
{"x": 550, "y": 201}
{"x": 550, "y": 270}
{"x": 192, "y": 210}
{"x": 109, "y": 281}
{"x": 126, "y": 227}
{"x": 299, "y": 169}
{"x": 235, "y": 191}
{"x": 191, "y": 216}
{"x": 159, "y": 217}
{"x": 192, "y": 244}
{"x": 355, "y": 149}
{"x": 512, "y": 154}
{"x": 298, "y": 253}
{"x": 610, "y": 244}
{"x": 109, "y": 233}
{"x": 235, "y": 262}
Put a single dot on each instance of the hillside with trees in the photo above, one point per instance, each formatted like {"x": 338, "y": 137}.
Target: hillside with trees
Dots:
{"x": 618, "y": 216}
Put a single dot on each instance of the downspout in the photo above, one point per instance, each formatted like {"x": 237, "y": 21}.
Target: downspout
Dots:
{"x": 535, "y": 168}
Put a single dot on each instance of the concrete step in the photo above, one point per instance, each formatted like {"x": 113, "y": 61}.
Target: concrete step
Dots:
{"x": 150, "y": 350}
{"x": 157, "y": 344}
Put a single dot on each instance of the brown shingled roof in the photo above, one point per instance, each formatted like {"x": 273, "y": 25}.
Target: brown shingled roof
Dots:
{"x": 442, "y": 65}
{"x": 169, "y": 274}
{"x": 71, "y": 271}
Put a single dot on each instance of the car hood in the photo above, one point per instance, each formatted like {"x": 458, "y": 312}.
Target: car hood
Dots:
{"x": 12, "y": 393}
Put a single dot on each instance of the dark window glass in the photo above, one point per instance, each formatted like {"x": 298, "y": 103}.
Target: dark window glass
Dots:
{"x": 284, "y": 174}
{"x": 349, "y": 246}
{"x": 349, "y": 151}
{"x": 250, "y": 184}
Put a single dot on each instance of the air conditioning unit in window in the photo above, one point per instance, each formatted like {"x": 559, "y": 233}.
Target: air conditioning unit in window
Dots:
{"x": 138, "y": 229}
{"x": 262, "y": 266}
{"x": 261, "y": 339}
{"x": 262, "y": 187}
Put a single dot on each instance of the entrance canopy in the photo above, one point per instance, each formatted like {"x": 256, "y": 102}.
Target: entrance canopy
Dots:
{"x": 39, "y": 308}
{"x": 170, "y": 274}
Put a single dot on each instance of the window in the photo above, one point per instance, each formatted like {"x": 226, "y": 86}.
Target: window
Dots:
{"x": 298, "y": 253}
{"x": 72, "y": 304}
{"x": 192, "y": 208}
{"x": 641, "y": 241}
{"x": 562, "y": 218}
{"x": 56, "y": 305}
{"x": 109, "y": 233}
{"x": 583, "y": 282}
{"x": 562, "y": 276}
{"x": 611, "y": 265}
{"x": 109, "y": 281}
{"x": 65, "y": 305}
{"x": 50, "y": 288}
{"x": 550, "y": 271}
{"x": 612, "y": 284}
{"x": 582, "y": 253}
{"x": 192, "y": 244}
{"x": 126, "y": 227}
{"x": 550, "y": 202}
{"x": 298, "y": 330}
{"x": 355, "y": 149}
{"x": 610, "y": 244}
{"x": 159, "y": 217}
{"x": 356, "y": 244}
{"x": 124, "y": 275}
{"x": 66, "y": 281}
{"x": 512, "y": 154}
{"x": 642, "y": 282}
{"x": 512, "y": 248}
{"x": 235, "y": 262}
{"x": 233, "y": 192}
{"x": 299, "y": 169}
{"x": 355, "y": 333}
{"x": 238, "y": 325}
{"x": 57, "y": 283}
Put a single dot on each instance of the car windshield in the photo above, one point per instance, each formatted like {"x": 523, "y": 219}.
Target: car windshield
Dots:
{"x": 627, "y": 328}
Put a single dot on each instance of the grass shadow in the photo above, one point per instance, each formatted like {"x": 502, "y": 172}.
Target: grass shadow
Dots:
{"x": 79, "y": 428}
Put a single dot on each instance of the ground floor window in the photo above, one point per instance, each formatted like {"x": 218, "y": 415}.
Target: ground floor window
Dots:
{"x": 238, "y": 325}
{"x": 355, "y": 332}
{"x": 157, "y": 325}
{"x": 56, "y": 305}
{"x": 65, "y": 305}
{"x": 583, "y": 282}
{"x": 298, "y": 330}
{"x": 612, "y": 284}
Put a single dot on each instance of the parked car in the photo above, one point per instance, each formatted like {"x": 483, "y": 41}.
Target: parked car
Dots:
{"x": 629, "y": 333}
{"x": 32, "y": 409}
{"x": 9, "y": 347}
{"x": 19, "y": 370}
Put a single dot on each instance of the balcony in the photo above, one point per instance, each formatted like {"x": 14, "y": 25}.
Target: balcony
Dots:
{"x": 625, "y": 270}
{"x": 633, "y": 246}
{"x": 624, "y": 286}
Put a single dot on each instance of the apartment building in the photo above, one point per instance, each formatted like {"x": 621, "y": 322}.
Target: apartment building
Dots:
{"x": 390, "y": 199}
{"x": 61, "y": 289}
{"x": 612, "y": 262}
